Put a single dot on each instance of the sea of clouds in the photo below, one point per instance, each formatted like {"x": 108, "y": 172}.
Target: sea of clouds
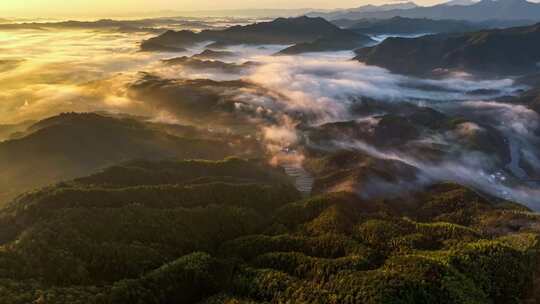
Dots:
{"x": 43, "y": 73}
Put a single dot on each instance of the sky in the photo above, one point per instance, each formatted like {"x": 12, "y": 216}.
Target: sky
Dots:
{"x": 47, "y": 8}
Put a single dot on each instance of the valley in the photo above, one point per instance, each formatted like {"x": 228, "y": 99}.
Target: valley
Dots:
{"x": 378, "y": 154}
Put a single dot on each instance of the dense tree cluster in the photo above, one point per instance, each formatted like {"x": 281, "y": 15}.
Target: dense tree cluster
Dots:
{"x": 47, "y": 152}
{"x": 236, "y": 231}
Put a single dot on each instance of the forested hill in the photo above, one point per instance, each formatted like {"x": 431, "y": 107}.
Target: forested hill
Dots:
{"x": 283, "y": 31}
{"x": 237, "y": 231}
{"x": 75, "y": 144}
{"x": 512, "y": 51}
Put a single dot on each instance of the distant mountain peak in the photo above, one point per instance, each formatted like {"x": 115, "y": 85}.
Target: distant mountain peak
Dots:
{"x": 384, "y": 7}
{"x": 468, "y": 10}
{"x": 504, "y": 1}
{"x": 301, "y": 20}
{"x": 511, "y": 51}
{"x": 285, "y": 31}
{"x": 460, "y": 2}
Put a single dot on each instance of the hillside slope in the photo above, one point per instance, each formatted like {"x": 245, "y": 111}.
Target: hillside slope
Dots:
{"x": 481, "y": 11}
{"x": 236, "y": 231}
{"x": 508, "y": 51}
{"x": 401, "y": 25}
{"x": 71, "y": 145}
{"x": 283, "y": 31}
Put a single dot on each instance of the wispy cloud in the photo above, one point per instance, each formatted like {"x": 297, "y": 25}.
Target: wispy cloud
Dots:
{"x": 282, "y": 95}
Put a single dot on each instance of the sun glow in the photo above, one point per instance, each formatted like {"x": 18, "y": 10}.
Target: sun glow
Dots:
{"x": 106, "y": 8}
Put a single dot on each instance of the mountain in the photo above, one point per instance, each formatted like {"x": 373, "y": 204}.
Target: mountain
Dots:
{"x": 70, "y": 145}
{"x": 404, "y": 26}
{"x": 384, "y": 7}
{"x": 363, "y": 9}
{"x": 154, "y": 26}
{"x": 459, "y": 2}
{"x": 238, "y": 13}
{"x": 236, "y": 231}
{"x": 328, "y": 44}
{"x": 507, "y": 51}
{"x": 401, "y": 130}
{"x": 401, "y": 25}
{"x": 480, "y": 11}
{"x": 205, "y": 102}
{"x": 172, "y": 41}
{"x": 199, "y": 64}
{"x": 280, "y": 31}
{"x": 211, "y": 54}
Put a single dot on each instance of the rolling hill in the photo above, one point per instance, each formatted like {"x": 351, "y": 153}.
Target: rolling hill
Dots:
{"x": 481, "y": 11}
{"x": 71, "y": 145}
{"x": 327, "y": 45}
{"x": 283, "y": 31}
{"x": 401, "y": 25}
{"x": 236, "y": 231}
{"x": 370, "y": 8}
{"x": 507, "y": 51}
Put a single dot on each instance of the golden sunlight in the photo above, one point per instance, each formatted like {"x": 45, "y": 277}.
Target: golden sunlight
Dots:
{"x": 107, "y": 8}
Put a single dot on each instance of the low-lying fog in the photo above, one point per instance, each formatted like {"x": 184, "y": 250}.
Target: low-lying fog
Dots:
{"x": 45, "y": 72}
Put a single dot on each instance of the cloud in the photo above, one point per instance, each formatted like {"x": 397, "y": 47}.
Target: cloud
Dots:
{"x": 281, "y": 96}
{"x": 60, "y": 72}
{"x": 317, "y": 89}
{"x": 515, "y": 118}
{"x": 517, "y": 123}
{"x": 326, "y": 83}
{"x": 280, "y": 136}
{"x": 473, "y": 169}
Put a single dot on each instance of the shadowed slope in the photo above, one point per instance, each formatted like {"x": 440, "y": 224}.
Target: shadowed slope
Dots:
{"x": 508, "y": 51}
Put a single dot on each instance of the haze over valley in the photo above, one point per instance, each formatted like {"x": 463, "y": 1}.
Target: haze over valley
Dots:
{"x": 307, "y": 154}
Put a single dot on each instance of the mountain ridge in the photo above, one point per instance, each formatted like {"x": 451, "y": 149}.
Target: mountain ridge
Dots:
{"x": 480, "y": 11}
{"x": 285, "y": 31}
{"x": 73, "y": 144}
{"x": 501, "y": 51}
{"x": 250, "y": 238}
{"x": 402, "y": 25}
{"x": 369, "y": 8}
